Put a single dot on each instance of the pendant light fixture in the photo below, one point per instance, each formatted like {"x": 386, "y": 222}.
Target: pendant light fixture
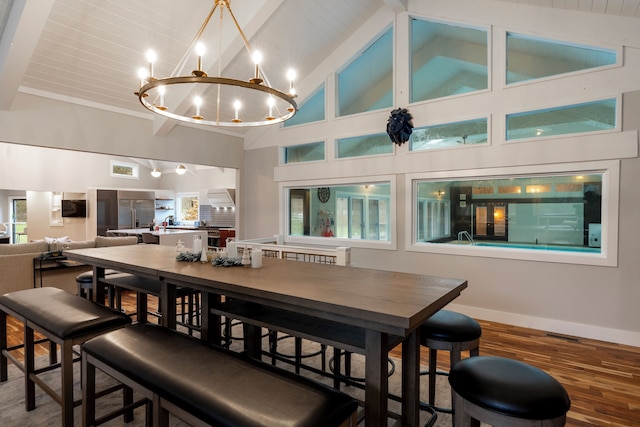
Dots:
{"x": 215, "y": 101}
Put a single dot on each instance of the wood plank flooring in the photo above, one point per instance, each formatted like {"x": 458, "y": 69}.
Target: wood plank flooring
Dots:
{"x": 602, "y": 379}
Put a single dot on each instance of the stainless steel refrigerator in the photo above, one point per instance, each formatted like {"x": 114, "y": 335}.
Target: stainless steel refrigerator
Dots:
{"x": 135, "y": 209}
{"x": 124, "y": 209}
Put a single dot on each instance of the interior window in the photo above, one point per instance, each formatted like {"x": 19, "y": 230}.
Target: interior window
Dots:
{"x": 561, "y": 213}
{"x": 358, "y": 211}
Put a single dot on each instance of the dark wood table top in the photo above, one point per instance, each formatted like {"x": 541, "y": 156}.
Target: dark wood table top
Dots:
{"x": 389, "y": 301}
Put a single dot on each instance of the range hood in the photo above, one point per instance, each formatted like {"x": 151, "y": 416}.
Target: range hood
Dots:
{"x": 222, "y": 197}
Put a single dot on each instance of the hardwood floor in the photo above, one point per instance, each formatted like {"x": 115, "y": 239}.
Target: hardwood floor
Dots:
{"x": 602, "y": 379}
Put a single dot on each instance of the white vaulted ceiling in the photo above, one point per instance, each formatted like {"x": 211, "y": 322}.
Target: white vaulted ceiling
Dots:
{"x": 88, "y": 51}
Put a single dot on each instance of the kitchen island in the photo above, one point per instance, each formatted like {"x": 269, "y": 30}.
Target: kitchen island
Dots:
{"x": 170, "y": 236}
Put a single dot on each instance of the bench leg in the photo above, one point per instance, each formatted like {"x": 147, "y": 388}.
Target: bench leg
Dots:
{"x": 160, "y": 414}
{"x": 88, "y": 392}
{"x": 3, "y": 346}
{"x": 127, "y": 400}
{"x": 66, "y": 367}
{"x": 29, "y": 367}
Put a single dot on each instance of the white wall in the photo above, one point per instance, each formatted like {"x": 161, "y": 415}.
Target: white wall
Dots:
{"x": 582, "y": 300}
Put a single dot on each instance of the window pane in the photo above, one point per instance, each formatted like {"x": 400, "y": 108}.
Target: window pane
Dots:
{"x": 449, "y": 135}
{"x": 311, "y": 110}
{"x": 188, "y": 207}
{"x": 304, "y": 153}
{"x": 446, "y": 60}
{"x": 530, "y": 58}
{"x": 366, "y": 84}
{"x": 358, "y": 211}
{"x": 554, "y": 213}
{"x": 588, "y": 117}
{"x": 369, "y": 145}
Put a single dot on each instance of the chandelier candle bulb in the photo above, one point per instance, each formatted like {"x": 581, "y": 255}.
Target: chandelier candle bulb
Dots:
{"x": 236, "y": 107}
{"x": 200, "y": 49}
{"x": 151, "y": 57}
{"x": 291, "y": 75}
{"x": 198, "y": 102}
{"x": 161, "y": 90}
{"x": 271, "y": 102}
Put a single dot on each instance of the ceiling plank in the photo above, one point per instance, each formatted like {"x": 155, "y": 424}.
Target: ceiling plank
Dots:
{"x": 24, "y": 25}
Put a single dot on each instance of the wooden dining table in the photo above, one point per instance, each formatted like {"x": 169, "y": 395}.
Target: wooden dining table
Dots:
{"x": 367, "y": 309}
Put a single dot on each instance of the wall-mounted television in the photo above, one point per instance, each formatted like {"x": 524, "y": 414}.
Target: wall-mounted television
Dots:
{"x": 74, "y": 208}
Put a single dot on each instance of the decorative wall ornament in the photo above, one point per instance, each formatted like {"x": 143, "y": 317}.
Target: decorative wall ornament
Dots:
{"x": 400, "y": 126}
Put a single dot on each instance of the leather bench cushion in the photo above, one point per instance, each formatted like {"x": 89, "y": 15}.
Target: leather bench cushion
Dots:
{"x": 64, "y": 314}
{"x": 450, "y": 326}
{"x": 218, "y": 386}
{"x": 509, "y": 387}
{"x": 87, "y": 276}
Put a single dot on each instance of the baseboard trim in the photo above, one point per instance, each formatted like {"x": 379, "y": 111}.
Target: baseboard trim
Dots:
{"x": 581, "y": 330}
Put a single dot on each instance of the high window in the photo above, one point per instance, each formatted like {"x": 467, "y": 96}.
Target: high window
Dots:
{"x": 311, "y": 152}
{"x": 366, "y": 84}
{"x": 587, "y": 117}
{"x": 458, "y": 134}
{"x": 310, "y": 110}
{"x": 534, "y": 58}
{"x": 447, "y": 60}
{"x": 369, "y": 145}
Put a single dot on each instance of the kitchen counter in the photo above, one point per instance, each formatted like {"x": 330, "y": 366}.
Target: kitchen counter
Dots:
{"x": 170, "y": 236}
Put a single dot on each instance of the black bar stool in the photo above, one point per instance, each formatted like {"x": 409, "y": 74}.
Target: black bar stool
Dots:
{"x": 506, "y": 393}
{"x": 449, "y": 331}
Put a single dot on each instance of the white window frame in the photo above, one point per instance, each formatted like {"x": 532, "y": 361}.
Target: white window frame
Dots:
{"x": 135, "y": 168}
{"x": 608, "y": 256}
{"x": 390, "y": 244}
{"x": 178, "y": 212}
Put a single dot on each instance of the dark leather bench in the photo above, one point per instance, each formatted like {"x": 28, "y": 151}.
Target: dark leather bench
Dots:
{"x": 201, "y": 384}
{"x": 189, "y": 299}
{"x": 65, "y": 320}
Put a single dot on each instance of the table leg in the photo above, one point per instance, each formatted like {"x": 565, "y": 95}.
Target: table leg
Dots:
{"x": 98, "y": 289}
{"x": 252, "y": 340}
{"x": 411, "y": 379}
{"x": 168, "y": 304}
{"x": 211, "y": 323}
{"x": 376, "y": 380}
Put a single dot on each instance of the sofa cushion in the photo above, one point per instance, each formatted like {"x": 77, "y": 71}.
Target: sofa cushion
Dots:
{"x": 102, "y": 242}
{"x": 80, "y": 245}
{"x": 24, "y": 248}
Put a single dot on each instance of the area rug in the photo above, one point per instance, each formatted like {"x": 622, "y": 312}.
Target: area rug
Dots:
{"x": 47, "y": 412}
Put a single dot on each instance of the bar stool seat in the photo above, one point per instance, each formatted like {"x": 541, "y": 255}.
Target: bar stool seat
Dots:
{"x": 449, "y": 331}
{"x": 505, "y": 392}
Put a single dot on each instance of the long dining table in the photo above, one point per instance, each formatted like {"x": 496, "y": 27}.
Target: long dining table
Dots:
{"x": 382, "y": 305}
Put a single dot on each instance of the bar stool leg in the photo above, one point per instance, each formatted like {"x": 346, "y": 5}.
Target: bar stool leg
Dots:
{"x": 3, "y": 347}
{"x": 66, "y": 395}
{"x": 29, "y": 367}
{"x": 88, "y": 392}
